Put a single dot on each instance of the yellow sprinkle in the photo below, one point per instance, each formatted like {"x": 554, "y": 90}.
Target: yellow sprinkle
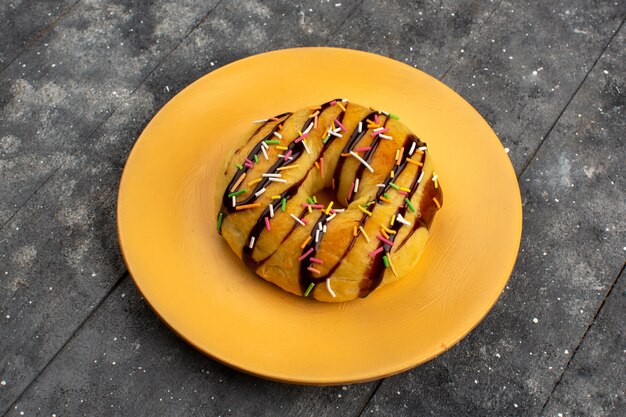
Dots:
{"x": 276, "y": 197}
{"x": 393, "y": 219}
{"x": 288, "y": 167}
{"x": 367, "y": 238}
{"x": 247, "y": 206}
{"x": 299, "y": 133}
{"x": 369, "y": 213}
{"x": 310, "y": 209}
{"x": 330, "y": 205}
{"x": 388, "y": 230}
{"x": 382, "y": 232}
{"x": 436, "y": 202}
{"x": 238, "y": 182}
{"x": 393, "y": 268}
{"x": 314, "y": 114}
{"x": 436, "y": 183}
{"x": 354, "y": 231}
{"x": 414, "y": 162}
{"x": 254, "y": 182}
{"x": 341, "y": 105}
{"x": 281, "y": 148}
{"x": 408, "y": 190}
{"x": 305, "y": 242}
{"x": 397, "y": 153}
{"x": 391, "y": 173}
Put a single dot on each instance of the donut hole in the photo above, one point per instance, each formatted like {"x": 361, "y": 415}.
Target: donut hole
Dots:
{"x": 326, "y": 195}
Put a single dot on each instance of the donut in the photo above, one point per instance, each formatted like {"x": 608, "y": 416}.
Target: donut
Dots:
{"x": 329, "y": 202}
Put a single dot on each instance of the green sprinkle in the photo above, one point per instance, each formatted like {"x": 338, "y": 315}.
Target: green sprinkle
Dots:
{"x": 408, "y": 203}
{"x": 219, "y": 221}
{"x": 239, "y": 166}
{"x": 393, "y": 116}
{"x": 326, "y": 139}
{"x": 308, "y": 290}
{"x": 236, "y": 193}
{"x": 256, "y": 159}
{"x": 310, "y": 200}
{"x": 272, "y": 142}
{"x": 386, "y": 195}
{"x": 386, "y": 261}
{"x": 315, "y": 199}
{"x": 394, "y": 185}
{"x": 283, "y": 204}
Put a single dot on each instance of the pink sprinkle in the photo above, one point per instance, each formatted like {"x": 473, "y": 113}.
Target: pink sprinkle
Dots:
{"x": 267, "y": 223}
{"x": 350, "y": 193}
{"x": 332, "y": 103}
{"x": 376, "y": 252}
{"x": 364, "y": 149}
{"x": 249, "y": 165}
{"x": 379, "y": 132}
{"x": 341, "y": 125}
{"x": 248, "y": 161}
{"x": 332, "y": 211}
{"x": 315, "y": 260}
{"x": 403, "y": 192}
{"x": 315, "y": 206}
{"x": 307, "y": 254}
{"x": 376, "y": 119}
{"x": 304, "y": 221}
{"x": 301, "y": 137}
{"x": 287, "y": 154}
{"x": 387, "y": 241}
{"x": 315, "y": 271}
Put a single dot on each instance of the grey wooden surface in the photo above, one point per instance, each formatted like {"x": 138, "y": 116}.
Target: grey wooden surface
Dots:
{"x": 80, "y": 79}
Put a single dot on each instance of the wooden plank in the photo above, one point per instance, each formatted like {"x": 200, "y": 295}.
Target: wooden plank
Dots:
{"x": 574, "y": 195}
{"x": 63, "y": 87}
{"x": 75, "y": 250}
{"x": 593, "y": 383}
{"x": 23, "y": 22}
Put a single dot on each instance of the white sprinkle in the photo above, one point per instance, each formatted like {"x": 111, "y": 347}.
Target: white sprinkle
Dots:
{"x": 324, "y": 230}
{"x": 378, "y": 129}
{"x": 265, "y": 145}
{"x": 308, "y": 128}
{"x": 319, "y": 226}
{"x": 420, "y": 178}
{"x": 422, "y": 148}
{"x": 384, "y": 112}
{"x": 260, "y": 121}
{"x": 234, "y": 201}
{"x": 272, "y": 175}
{"x": 331, "y": 132}
{"x": 361, "y": 160}
{"x": 381, "y": 185}
{"x": 282, "y": 156}
{"x": 306, "y": 147}
{"x": 535, "y": 320}
{"x": 278, "y": 180}
{"x": 278, "y": 135}
{"x": 506, "y": 150}
{"x": 264, "y": 152}
{"x": 566, "y": 351}
{"x": 401, "y": 220}
{"x": 412, "y": 149}
{"x": 344, "y": 100}
{"x": 360, "y": 127}
{"x": 356, "y": 185}
{"x": 385, "y": 136}
{"x": 252, "y": 239}
{"x": 271, "y": 210}
{"x": 435, "y": 177}
{"x": 342, "y": 210}
{"x": 261, "y": 191}
{"x": 317, "y": 236}
{"x": 329, "y": 218}
{"x": 297, "y": 219}
{"x": 330, "y": 290}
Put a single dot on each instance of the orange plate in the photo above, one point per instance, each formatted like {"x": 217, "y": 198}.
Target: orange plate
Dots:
{"x": 167, "y": 209}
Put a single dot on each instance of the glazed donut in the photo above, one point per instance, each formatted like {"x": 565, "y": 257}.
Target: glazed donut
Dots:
{"x": 384, "y": 191}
